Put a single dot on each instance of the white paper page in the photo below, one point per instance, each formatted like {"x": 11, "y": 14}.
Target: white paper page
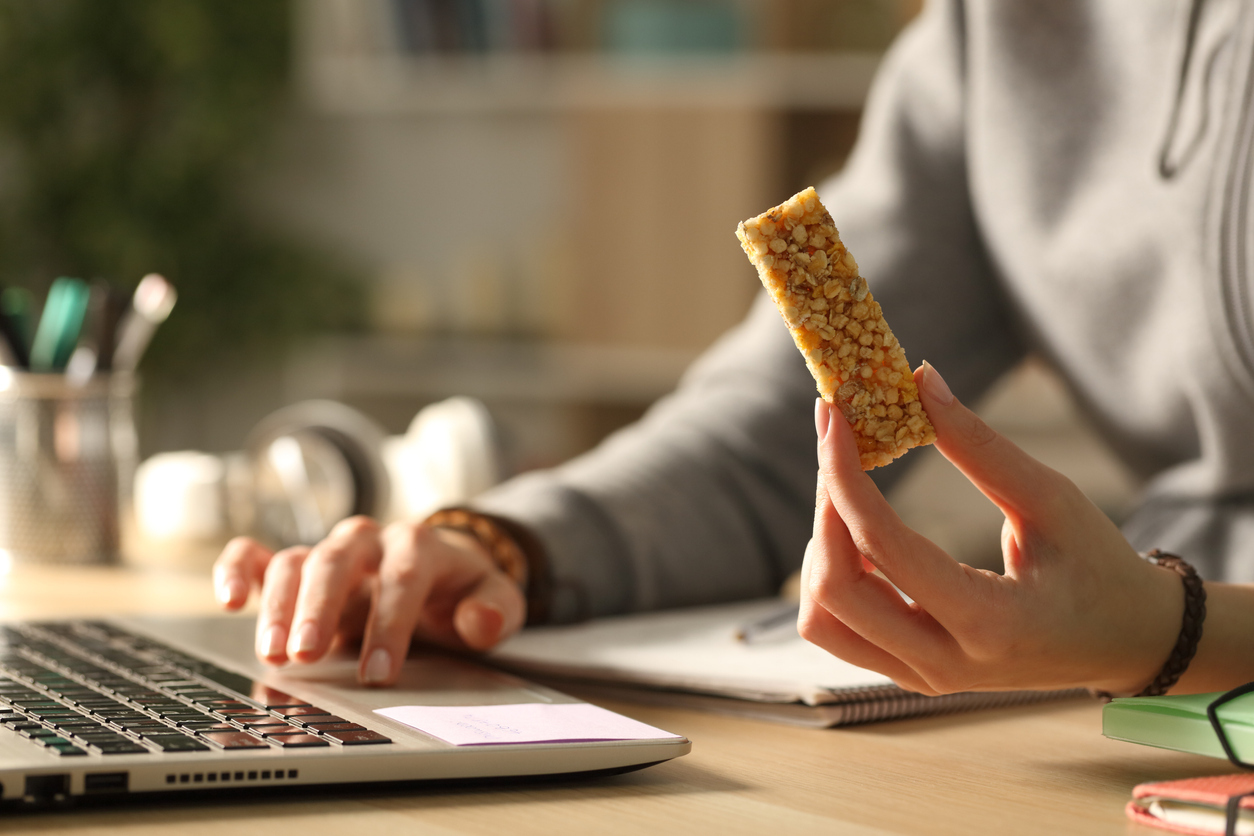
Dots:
{"x": 692, "y": 649}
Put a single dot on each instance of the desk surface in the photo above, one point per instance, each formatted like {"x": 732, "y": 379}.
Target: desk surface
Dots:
{"x": 1033, "y": 770}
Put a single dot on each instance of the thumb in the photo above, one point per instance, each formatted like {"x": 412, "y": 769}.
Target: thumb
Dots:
{"x": 1012, "y": 479}
{"x": 494, "y": 610}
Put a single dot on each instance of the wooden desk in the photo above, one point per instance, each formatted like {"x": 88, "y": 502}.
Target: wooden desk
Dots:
{"x": 1013, "y": 772}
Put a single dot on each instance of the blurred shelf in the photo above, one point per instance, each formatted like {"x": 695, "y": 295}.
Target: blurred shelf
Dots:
{"x": 383, "y": 84}
{"x": 492, "y": 370}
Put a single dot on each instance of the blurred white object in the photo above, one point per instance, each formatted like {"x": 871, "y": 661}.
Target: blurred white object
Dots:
{"x": 448, "y": 456}
{"x": 288, "y": 460}
{"x": 308, "y": 466}
{"x": 181, "y": 496}
{"x": 313, "y": 464}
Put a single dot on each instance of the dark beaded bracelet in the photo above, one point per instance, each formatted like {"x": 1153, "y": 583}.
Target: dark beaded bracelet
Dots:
{"x": 1190, "y": 627}
{"x": 514, "y": 549}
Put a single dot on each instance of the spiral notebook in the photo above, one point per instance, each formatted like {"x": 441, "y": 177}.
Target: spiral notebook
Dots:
{"x": 694, "y": 658}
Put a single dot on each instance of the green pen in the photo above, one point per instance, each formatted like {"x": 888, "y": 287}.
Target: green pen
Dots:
{"x": 59, "y": 326}
{"x": 18, "y": 307}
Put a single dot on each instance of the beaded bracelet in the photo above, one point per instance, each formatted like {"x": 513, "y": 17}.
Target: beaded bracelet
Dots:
{"x": 1190, "y": 628}
{"x": 514, "y": 549}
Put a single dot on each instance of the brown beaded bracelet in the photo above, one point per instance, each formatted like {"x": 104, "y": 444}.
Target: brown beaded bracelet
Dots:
{"x": 1190, "y": 628}
{"x": 514, "y": 549}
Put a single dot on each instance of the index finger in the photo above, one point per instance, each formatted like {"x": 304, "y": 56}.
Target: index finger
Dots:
{"x": 240, "y": 567}
{"x": 334, "y": 569}
{"x": 1011, "y": 479}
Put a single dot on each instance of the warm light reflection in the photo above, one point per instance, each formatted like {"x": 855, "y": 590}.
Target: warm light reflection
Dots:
{"x": 6, "y": 378}
{"x": 6, "y": 563}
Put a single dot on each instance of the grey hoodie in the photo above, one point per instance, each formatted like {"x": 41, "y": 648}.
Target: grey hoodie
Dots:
{"x": 1060, "y": 177}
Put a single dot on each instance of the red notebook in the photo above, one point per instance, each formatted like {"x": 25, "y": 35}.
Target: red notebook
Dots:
{"x": 1194, "y": 805}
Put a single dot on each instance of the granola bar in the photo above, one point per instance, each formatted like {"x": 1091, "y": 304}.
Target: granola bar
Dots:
{"x": 839, "y": 327}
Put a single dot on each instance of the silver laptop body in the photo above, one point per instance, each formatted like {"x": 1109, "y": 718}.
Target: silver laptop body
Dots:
{"x": 114, "y": 707}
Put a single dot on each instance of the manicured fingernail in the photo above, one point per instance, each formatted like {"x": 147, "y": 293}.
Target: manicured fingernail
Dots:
{"x": 273, "y": 641}
{"x": 491, "y": 620}
{"x": 822, "y": 418}
{"x": 307, "y": 638}
{"x": 231, "y": 591}
{"x": 378, "y": 667}
{"x": 935, "y": 386}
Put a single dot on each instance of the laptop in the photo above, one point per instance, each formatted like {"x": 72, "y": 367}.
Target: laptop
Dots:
{"x": 119, "y": 707}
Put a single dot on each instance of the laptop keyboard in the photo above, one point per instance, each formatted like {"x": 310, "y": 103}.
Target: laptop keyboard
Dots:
{"x": 83, "y": 687}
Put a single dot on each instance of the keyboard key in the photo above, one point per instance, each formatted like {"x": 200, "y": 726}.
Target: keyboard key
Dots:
{"x": 124, "y": 748}
{"x": 186, "y": 717}
{"x": 358, "y": 738}
{"x": 299, "y": 741}
{"x": 335, "y": 727}
{"x": 301, "y": 710}
{"x": 272, "y": 731}
{"x": 314, "y": 719}
{"x": 274, "y": 698}
{"x": 77, "y": 726}
{"x": 219, "y": 703}
{"x": 103, "y": 737}
{"x": 235, "y": 740}
{"x": 232, "y": 712}
{"x": 177, "y": 743}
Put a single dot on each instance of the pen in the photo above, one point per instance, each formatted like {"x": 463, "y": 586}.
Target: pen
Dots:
{"x": 94, "y": 351}
{"x": 15, "y": 305}
{"x": 772, "y": 624}
{"x": 59, "y": 325}
{"x": 153, "y": 300}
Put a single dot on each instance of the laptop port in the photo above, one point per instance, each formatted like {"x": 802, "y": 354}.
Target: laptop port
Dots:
{"x": 41, "y": 789}
{"x": 96, "y": 783}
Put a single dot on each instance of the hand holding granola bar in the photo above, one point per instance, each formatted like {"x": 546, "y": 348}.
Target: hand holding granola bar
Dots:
{"x": 1075, "y": 607}
{"x": 838, "y": 326}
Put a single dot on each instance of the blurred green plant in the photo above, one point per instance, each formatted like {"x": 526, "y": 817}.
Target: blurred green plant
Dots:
{"x": 126, "y": 128}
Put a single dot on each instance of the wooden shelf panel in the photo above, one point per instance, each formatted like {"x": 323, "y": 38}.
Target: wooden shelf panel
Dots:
{"x": 489, "y": 84}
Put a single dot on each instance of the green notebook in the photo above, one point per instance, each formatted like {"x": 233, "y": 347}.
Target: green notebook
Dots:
{"x": 1180, "y": 723}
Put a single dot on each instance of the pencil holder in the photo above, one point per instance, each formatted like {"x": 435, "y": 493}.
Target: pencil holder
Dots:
{"x": 67, "y": 459}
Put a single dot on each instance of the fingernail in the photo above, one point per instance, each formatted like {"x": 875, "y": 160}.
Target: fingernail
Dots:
{"x": 231, "y": 590}
{"x": 307, "y": 638}
{"x": 822, "y": 418}
{"x": 378, "y": 667}
{"x": 935, "y": 386}
{"x": 272, "y": 643}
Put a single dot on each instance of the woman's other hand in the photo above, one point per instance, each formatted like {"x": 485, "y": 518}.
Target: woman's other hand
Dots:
{"x": 384, "y": 586}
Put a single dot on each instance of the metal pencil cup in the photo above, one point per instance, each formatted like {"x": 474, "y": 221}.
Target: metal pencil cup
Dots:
{"x": 67, "y": 460}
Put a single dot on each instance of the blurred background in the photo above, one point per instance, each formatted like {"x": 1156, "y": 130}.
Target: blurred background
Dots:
{"x": 389, "y": 202}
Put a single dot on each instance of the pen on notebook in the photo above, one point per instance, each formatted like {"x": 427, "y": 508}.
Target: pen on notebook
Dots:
{"x": 153, "y": 300}
{"x": 770, "y": 625}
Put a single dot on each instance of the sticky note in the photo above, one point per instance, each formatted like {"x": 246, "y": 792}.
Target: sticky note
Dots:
{"x": 494, "y": 725}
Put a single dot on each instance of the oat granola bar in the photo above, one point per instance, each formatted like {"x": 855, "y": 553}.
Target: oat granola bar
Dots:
{"x": 849, "y": 348}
